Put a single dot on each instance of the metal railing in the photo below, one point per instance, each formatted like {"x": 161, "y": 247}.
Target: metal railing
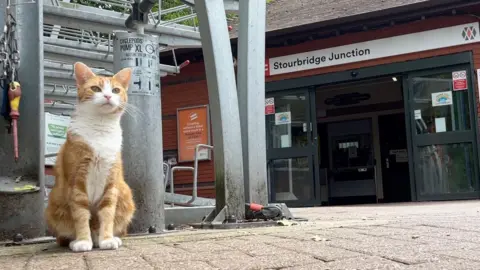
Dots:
{"x": 194, "y": 169}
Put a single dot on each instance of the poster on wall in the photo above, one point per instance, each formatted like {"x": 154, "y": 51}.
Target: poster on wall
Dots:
{"x": 55, "y": 135}
{"x": 442, "y": 98}
{"x": 459, "y": 80}
{"x": 193, "y": 128}
{"x": 269, "y": 106}
{"x": 283, "y": 118}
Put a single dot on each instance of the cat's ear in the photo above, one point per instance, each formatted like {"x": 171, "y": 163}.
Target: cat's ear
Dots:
{"x": 82, "y": 73}
{"x": 123, "y": 77}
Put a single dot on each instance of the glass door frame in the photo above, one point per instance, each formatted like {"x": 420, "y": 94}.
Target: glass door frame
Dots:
{"x": 309, "y": 151}
{"x": 414, "y": 141}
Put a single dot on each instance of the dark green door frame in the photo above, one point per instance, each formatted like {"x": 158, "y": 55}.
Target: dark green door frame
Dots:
{"x": 397, "y": 69}
{"x": 297, "y": 152}
{"x": 444, "y": 138}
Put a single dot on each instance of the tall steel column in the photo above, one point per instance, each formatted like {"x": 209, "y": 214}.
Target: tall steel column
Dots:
{"x": 223, "y": 102}
{"x": 251, "y": 98}
{"x": 142, "y": 128}
{"x": 22, "y": 182}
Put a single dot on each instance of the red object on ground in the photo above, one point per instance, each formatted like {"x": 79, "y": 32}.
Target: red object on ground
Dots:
{"x": 255, "y": 207}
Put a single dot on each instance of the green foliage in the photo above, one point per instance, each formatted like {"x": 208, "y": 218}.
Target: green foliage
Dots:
{"x": 166, "y": 4}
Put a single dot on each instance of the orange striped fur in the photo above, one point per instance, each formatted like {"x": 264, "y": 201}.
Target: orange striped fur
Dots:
{"x": 90, "y": 204}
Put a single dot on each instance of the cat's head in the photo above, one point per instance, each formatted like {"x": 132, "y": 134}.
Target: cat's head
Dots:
{"x": 102, "y": 95}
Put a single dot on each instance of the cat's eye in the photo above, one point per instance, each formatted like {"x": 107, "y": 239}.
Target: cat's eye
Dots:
{"x": 115, "y": 90}
{"x": 96, "y": 89}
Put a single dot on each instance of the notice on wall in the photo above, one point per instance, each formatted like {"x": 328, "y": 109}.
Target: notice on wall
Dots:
{"x": 401, "y": 155}
{"x": 459, "y": 80}
{"x": 442, "y": 98}
{"x": 269, "y": 106}
{"x": 283, "y": 118}
{"x": 193, "y": 128}
{"x": 285, "y": 141}
{"x": 418, "y": 114}
{"x": 440, "y": 125}
{"x": 55, "y": 134}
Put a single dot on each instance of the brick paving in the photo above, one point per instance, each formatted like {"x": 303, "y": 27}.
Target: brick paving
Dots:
{"x": 433, "y": 236}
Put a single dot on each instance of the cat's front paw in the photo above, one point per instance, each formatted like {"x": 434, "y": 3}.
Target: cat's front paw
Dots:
{"x": 81, "y": 245}
{"x": 111, "y": 243}
{"x": 119, "y": 241}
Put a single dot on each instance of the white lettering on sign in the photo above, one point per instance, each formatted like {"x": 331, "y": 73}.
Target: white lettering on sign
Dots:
{"x": 374, "y": 49}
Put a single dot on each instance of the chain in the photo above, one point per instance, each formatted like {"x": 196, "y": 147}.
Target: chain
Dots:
{"x": 9, "y": 54}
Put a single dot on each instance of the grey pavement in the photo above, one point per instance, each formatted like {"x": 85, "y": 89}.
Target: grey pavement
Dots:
{"x": 442, "y": 235}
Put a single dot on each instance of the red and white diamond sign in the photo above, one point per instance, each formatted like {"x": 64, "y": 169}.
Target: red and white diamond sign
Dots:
{"x": 269, "y": 106}
{"x": 459, "y": 80}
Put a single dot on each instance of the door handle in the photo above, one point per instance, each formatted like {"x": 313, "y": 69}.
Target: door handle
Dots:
{"x": 387, "y": 163}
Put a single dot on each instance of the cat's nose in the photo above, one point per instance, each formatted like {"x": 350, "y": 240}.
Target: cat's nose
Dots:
{"x": 107, "y": 97}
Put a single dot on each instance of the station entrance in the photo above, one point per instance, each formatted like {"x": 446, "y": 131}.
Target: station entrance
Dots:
{"x": 405, "y": 136}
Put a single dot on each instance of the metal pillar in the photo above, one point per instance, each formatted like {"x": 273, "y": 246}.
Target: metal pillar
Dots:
{"x": 251, "y": 98}
{"x": 22, "y": 183}
{"x": 223, "y": 100}
{"x": 142, "y": 132}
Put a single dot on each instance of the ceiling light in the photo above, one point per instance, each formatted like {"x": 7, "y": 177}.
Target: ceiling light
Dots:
{"x": 394, "y": 79}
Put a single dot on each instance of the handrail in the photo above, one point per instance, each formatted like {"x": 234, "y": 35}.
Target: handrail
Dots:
{"x": 177, "y": 168}
{"x": 166, "y": 175}
{"x": 195, "y": 170}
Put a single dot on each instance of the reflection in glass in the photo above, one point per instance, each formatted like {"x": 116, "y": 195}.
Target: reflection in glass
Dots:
{"x": 292, "y": 179}
{"x": 446, "y": 168}
{"x": 449, "y": 113}
{"x": 290, "y": 133}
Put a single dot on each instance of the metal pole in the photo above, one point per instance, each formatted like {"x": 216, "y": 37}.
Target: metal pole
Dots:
{"x": 22, "y": 184}
{"x": 223, "y": 102}
{"x": 142, "y": 132}
{"x": 251, "y": 98}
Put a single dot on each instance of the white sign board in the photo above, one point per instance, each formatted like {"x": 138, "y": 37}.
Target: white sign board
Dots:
{"x": 55, "y": 134}
{"x": 442, "y": 98}
{"x": 374, "y": 49}
{"x": 418, "y": 114}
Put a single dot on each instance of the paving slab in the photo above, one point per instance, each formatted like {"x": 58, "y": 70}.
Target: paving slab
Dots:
{"x": 358, "y": 263}
{"x": 119, "y": 263}
{"x": 436, "y": 236}
{"x": 13, "y": 262}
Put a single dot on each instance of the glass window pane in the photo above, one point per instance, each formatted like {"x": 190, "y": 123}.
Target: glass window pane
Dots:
{"x": 288, "y": 126}
{"x": 446, "y": 169}
{"x": 437, "y": 107}
{"x": 292, "y": 180}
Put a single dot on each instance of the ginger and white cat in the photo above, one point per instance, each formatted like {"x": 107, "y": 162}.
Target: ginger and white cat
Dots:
{"x": 90, "y": 204}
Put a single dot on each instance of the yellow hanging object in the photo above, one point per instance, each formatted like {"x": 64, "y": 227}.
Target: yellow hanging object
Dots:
{"x": 14, "y": 96}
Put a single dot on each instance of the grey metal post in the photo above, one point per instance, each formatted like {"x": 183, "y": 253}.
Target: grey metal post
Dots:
{"x": 223, "y": 102}
{"x": 21, "y": 205}
{"x": 251, "y": 98}
{"x": 142, "y": 131}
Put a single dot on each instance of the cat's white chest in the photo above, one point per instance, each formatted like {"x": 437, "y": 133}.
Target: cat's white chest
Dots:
{"x": 105, "y": 140}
